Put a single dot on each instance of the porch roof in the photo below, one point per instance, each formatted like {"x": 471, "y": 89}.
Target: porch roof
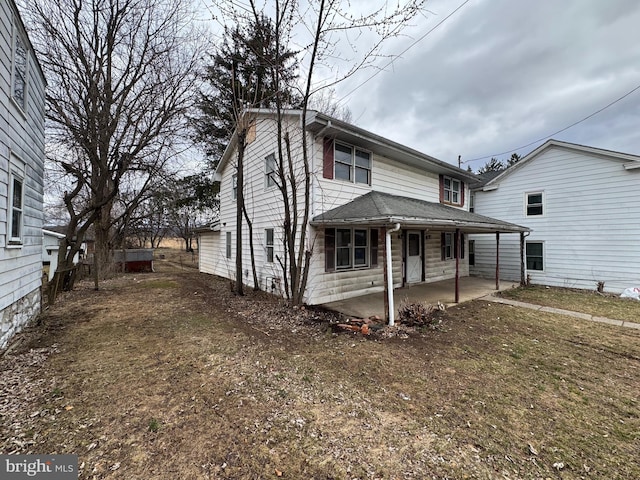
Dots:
{"x": 383, "y": 209}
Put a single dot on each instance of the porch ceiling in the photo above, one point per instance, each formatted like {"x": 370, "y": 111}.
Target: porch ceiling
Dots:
{"x": 383, "y": 209}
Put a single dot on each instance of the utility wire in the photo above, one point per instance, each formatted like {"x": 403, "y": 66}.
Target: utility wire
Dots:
{"x": 557, "y": 132}
{"x": 404, "y": 51}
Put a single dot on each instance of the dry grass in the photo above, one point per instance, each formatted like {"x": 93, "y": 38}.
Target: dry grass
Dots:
{"x": 171, "y": 377}
{"x": 591, "y": 302}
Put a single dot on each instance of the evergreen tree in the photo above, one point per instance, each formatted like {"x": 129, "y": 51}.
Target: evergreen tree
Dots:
{"x": 242, "y": 75}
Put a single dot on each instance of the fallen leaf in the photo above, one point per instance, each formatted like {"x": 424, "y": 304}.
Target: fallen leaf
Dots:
{"x": 278, "y": 473}
{"x": 68, "y": 407}
{"x": 533, "y": 450}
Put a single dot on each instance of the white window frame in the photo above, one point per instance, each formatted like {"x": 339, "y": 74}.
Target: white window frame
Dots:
{"x": 527, "y": 204}
{"x": 19, "y": 71}
{"x": 449, "y": 193}
{"x": 270, "y": 171}
{"x": 15, "y": 209}
{"x": 269, "y": 245}
{"x": 354, "y": 168}
{"x": 351, "y": 247}
{"x": 526, "y": 256}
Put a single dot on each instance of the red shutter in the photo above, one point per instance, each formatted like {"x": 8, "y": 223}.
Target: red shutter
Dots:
{"x": 455, "y": 245}
{"x": 462, "y": 194}
{"x": 374, "y": 247}
{"x": 443, "y": 242}
{"x": 327, "y": 163}
{"x": 329, "y": 249}
{"x": 441, "y": 189}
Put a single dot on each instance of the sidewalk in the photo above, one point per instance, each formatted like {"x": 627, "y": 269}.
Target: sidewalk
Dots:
{"x": 559, "y": 311}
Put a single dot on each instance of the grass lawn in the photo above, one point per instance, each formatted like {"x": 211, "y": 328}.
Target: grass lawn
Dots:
{"x": 169, "y": 376}
{"x": 591, "y": 302}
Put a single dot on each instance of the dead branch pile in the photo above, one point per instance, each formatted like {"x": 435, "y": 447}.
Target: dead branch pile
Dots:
{"x": 420, "y": 314}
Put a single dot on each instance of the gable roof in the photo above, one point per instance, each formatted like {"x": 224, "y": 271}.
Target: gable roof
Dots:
{"x": 633, "y": 160}
{"x": 381, "y": 209}
{"x": 324, "y": 125}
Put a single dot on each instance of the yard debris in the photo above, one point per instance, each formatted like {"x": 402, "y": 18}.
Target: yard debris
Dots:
{"x": 533, "y": 450}
{"x": 631, "y": 292}
{"x": 365, "y": 326}
{"x": 420, "y": 314}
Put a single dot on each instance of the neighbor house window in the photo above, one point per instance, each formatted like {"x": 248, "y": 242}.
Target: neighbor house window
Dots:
{"x": 16, "y": 196}
{"x": 347, "y": 248}
{"x": 270, "y": 170}
{"x": 352, "y": 164}
{"x": 268, "y": 244}
{"x": 535, "y": 257}
{"x": 234, "y": 186}
{"x": 228, "y": 245}
{"x": 472, "y": 203}
{"x": 19, "y": 81}
{"x": 534, "y": 204}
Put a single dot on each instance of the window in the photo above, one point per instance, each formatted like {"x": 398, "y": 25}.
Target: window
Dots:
{"x": 234, "y": 186}
{"x": 448, "y": 246}
{"x": 534, "y": 254}
{"x": 15, "y": 194}
{"x": 19, "y": 81}
{"x": 347, "y": 248}
{"x": 472, "y": 252}
{"x": 452, "y": 190}
{"x": 352, "y": 164}
{"x": 534, "y": 204}
{"x": 268, "y": 244}
{"x": 270, "y": 170}
{"x": 228, "y": 245}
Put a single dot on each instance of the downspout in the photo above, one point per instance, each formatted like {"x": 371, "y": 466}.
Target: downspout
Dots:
{"x": 389, "y": 278}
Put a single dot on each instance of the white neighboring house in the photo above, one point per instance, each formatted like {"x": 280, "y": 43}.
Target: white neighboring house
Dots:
{"x": 22, "y": 96}
{"x": 50, "y": 250}
{"x": 365, "y": 190}
{"x": 582, "y": 205}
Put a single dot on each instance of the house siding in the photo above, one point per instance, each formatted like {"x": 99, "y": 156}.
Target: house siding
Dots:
{"x": 589, "y": 224}
{"x": 21, "y": 137}
{"x": 266, "y": 211}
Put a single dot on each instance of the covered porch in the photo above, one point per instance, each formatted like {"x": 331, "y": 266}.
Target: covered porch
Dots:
{"x": 470, "y": 288}
{"x": 406, "y": 226}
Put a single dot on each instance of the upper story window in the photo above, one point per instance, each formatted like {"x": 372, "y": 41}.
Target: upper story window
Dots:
{"x": 451, "y": 191}
{"x": 270, "y": 170}
{"x": 19, "y": 78}
{"x": 534, "y": 204}
{"x": 351, "y": 164}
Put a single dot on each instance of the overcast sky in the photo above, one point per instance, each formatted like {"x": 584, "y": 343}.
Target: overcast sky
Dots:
{"x": 500, "y": 74}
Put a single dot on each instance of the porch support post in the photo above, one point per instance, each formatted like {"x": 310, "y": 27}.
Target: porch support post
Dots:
{"x": 457, "y": 295}
{"x": 384, "y": 269}
{"x": 522, "y": 279}
{"x": 391, "y": 310}
{"x": 497, "y": 260}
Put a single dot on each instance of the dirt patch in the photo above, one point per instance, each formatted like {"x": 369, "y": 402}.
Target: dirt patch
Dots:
{"x": 169, "y": 375}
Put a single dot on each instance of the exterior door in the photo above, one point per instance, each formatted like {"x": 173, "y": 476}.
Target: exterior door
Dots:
{"x": 414, "y": 257}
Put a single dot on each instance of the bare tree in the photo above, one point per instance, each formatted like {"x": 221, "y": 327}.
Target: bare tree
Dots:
{"x": 326, "y": 20}
{"x": 120, "y": 79}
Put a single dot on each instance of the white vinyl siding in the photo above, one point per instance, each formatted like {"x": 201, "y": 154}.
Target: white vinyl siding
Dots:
{"x": 589, "y": 226}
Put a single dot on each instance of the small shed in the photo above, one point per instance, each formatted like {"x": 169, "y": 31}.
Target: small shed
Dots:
{"x": 134, "y": 260}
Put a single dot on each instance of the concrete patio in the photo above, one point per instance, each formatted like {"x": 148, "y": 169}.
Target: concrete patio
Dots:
{"x": 444, "y": 291}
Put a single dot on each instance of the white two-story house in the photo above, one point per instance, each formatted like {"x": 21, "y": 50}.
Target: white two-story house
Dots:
{"x": 22, "y": 87}
{"x": 581, "y": 205}
{"x": 373, "y": 203}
